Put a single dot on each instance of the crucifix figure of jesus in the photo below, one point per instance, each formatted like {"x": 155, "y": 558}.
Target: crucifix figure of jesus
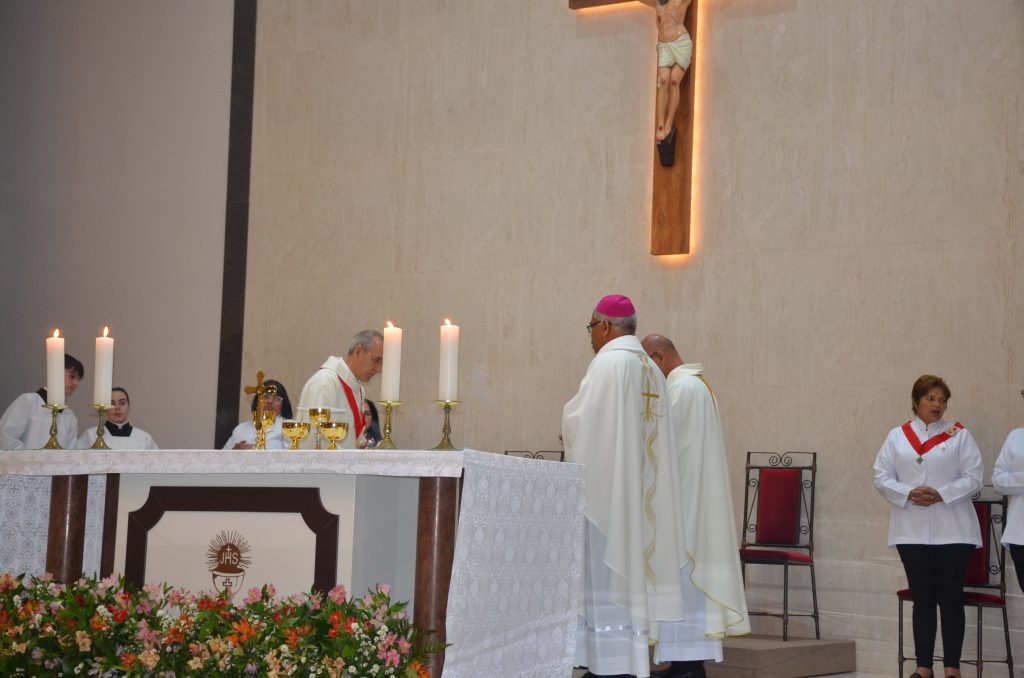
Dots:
{"x": 675, "y": 50}
{"x": 671, "y": 198}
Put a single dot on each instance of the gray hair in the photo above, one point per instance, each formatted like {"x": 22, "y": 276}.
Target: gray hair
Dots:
{"x": 364, "y": 339}
{"x": 626, "y": 325}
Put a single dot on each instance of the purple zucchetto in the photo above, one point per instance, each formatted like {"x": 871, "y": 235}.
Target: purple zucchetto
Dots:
{"x": 615, "y": 306}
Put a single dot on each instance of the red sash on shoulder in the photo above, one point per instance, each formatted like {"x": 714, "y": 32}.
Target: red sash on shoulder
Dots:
{"x": 922, "y": 448}
{"x": 357, "y": 411}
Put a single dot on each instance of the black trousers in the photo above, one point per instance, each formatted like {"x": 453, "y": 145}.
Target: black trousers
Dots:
{"x": 936, "y": 574}
{"x": 1017, "y": 553}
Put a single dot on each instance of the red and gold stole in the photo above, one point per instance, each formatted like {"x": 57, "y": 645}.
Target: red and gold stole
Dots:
{"x": 923, "y": 448}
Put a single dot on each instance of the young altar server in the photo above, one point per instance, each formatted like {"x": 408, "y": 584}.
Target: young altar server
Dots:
{"x": 26, "y": 423}
{"x": 120, "y": 434}
{"x": 713, "y": 591}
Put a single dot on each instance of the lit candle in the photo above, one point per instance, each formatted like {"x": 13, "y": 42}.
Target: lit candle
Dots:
{"x": 448, "y": 383}
{"x": 391, "y": 373}
{"x": 55, "y": 369}
{"x": 104, "y": 369}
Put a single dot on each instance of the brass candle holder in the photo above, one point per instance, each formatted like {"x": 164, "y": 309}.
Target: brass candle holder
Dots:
{"x": 386, "y": 443}
{"x": 53, "y": 443}
{"x": 101, "y": 412}
{"x": 446, "y": 429}
{"x": 317, "y": 416}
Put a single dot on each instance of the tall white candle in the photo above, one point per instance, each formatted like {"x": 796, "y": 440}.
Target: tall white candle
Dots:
{"x": 448, "y": 383}
{"x": 55, "y": 369}
{"x": 391, "y": 373}
{"x": 104, "y": 369}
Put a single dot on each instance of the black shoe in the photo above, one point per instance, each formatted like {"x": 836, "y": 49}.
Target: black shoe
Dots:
{"x": 588, "y": 674}
{"x": 690, "y": 669}
{"x": 667, "y": 149}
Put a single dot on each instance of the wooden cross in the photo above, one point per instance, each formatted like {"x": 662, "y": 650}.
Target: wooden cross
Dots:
{"x": 670, "y": 202}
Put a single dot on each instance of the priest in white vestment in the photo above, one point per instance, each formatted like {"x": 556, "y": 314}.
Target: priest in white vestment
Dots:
{"x": 618, "y": 426}
{"x": 120, "y": 434}
{"x": 338, "y": 385}
{"x": 713, "y": 589}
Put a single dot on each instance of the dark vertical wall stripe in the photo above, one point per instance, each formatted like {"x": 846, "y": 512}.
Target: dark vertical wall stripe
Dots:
{"x": 236, "y": 219}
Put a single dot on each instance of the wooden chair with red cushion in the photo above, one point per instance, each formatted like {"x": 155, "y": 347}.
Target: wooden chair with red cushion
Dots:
{"x": 778, "y": 522}
{"x": 985, "y": 583}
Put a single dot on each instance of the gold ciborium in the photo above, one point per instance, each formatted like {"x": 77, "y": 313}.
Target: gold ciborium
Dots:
{"x": 295, "y": 431}
{"x": 317, "y": 416}
{"x": 262, "y": 420}
{"x": 334, "y": 431}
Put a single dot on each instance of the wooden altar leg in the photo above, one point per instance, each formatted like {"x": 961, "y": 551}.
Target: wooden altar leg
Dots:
{"x": 65, "y": 541}
{"x": 435, "y": 551}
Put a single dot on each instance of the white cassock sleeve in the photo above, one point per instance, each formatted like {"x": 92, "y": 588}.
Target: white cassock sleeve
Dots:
{"x": 1008, "y": 474}
{"x": 886, "y": 482}
{"x": 14, "y": 424}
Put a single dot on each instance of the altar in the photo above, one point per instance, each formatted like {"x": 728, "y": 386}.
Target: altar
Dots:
{"x": 503, "y": 583}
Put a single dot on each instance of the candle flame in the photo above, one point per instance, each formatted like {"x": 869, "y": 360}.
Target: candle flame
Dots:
{"x": 390, "y": 324}
{"x": 106, "y": 330}
{"x": 447, "y": 322}
{"x": 56, "y": 333}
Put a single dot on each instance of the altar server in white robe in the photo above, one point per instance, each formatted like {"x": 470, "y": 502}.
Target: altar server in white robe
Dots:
{"x": 120, "y": 434}
{"x": 713, "y": 588}
{"x": 243, "y": 437}
{"x": 618, "y": 426}
{"x": 338, "y": 385}
{"x": 26, "y": 423}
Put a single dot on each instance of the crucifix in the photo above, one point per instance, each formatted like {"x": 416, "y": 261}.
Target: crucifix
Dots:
{"x": 260, "y": 390}
{"x": 673, "y": 161}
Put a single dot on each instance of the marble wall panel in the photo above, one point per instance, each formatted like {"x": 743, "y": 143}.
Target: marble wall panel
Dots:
{"x": 858, "y": 223}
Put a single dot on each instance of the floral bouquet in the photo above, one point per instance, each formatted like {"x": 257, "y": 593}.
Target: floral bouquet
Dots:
{"x": 109, "y": 628}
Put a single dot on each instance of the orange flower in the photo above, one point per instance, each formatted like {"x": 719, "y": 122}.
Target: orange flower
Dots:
{"x": 292, "y": 636}
{"x": 243, "y": 632}
{"x": 98, "y": 623}
{"x": 127, "y": 660}
{"x": 420, "y": 669}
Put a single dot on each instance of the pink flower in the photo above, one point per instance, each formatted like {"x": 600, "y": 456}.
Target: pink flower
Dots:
{"x": 337, "y": 594}
{"x": 271, "y": 591}
{"x": 392, "y": 659}
{"x": 255, "y": 596}
{"x": 384, "y": 588}
{"x": 404, "y": 645}
{"x": 144, "y": 605}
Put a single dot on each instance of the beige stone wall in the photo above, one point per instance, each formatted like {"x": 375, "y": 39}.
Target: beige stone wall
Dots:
{"x": 860, "y": 173}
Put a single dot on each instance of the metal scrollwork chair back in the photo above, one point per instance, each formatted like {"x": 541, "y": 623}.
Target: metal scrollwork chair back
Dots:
{"x": 546, "y": 455}
{"x": 985, "y": 583}
{"x": 778, "y": 522}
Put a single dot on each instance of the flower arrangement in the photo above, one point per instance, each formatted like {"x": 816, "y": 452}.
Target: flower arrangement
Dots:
{"x": 109, "y": 628}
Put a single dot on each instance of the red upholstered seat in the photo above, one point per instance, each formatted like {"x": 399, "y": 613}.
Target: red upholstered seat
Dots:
{"x": 778, "y": 525}
{"x": 979, "y": 598}
{"x": 754, "y": 555}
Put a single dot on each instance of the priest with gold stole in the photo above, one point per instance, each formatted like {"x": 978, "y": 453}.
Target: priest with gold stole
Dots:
{"x": 617, "y": 426}
{"x": 713, "y": 587}
{"x": 338, "y": 385}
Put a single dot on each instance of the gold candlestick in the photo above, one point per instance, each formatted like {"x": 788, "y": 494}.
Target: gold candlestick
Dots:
{"x": 101, "y": 412}
{"x": 53, "y": 443}
{"x": 446, "y": 429}
{"x": 387, "y": 443}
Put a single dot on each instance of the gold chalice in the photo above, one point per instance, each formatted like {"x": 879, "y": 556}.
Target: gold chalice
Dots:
{"x": 295, "y": 431}
{"x": 262, "y": 420}
{"x": 317, "y": 416}
{"x": 334, "y": 431}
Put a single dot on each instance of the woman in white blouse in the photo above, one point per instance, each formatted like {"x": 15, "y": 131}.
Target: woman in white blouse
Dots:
{"x": 928, "y": 469}
{"x": 244, "y": 435}
{"x": 1008, "y": 479}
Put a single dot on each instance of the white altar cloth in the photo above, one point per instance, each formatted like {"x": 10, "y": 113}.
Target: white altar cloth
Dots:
{"x": 515, "y": 582}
